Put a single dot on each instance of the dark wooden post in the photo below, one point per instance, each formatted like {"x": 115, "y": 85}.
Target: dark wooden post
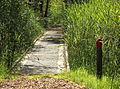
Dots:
{"x": 99, "y": 58}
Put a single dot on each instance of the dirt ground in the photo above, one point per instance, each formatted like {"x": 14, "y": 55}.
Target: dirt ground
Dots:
{"x": 43, "y": 83}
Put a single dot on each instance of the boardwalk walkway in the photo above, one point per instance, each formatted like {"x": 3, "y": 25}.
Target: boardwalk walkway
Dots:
{"x": 49, "y": 55}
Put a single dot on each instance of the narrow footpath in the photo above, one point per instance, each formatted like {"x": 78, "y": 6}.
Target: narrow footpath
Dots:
{"x": 49, "y": 54}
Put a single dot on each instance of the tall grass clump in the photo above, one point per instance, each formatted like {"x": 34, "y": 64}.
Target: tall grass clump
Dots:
{"x": 19, "y": 26}
{"x": 84, "y": 24}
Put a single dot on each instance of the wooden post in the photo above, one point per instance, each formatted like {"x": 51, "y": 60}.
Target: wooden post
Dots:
{"x": 99, "y": 58}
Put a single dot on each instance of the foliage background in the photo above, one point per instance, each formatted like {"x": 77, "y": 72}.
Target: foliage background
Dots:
{"x": 19, "y": 26}
{"x": 83, "y": 23}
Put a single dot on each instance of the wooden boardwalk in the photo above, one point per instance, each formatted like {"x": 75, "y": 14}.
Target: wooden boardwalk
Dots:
{"x": 49, "y": 55}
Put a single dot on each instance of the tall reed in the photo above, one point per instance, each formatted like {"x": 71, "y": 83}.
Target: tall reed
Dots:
{"x": 84, "y": 24}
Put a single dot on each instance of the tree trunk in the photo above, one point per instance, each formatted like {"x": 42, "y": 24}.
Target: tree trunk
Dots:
{"x": 47, "y": 7}
{"x": 41, "y": 7}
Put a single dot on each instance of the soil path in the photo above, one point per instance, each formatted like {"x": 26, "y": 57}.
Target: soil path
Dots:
{"x": 49, "y": 54}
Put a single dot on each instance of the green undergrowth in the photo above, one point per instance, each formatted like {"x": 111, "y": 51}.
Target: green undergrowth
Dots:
{"x": 81, "y": 76}
{"x": 3, "y": 73}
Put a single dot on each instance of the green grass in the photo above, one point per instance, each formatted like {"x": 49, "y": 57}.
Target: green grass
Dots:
{"x": 3, "y": 73}
{"x": 81, "y": 76}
